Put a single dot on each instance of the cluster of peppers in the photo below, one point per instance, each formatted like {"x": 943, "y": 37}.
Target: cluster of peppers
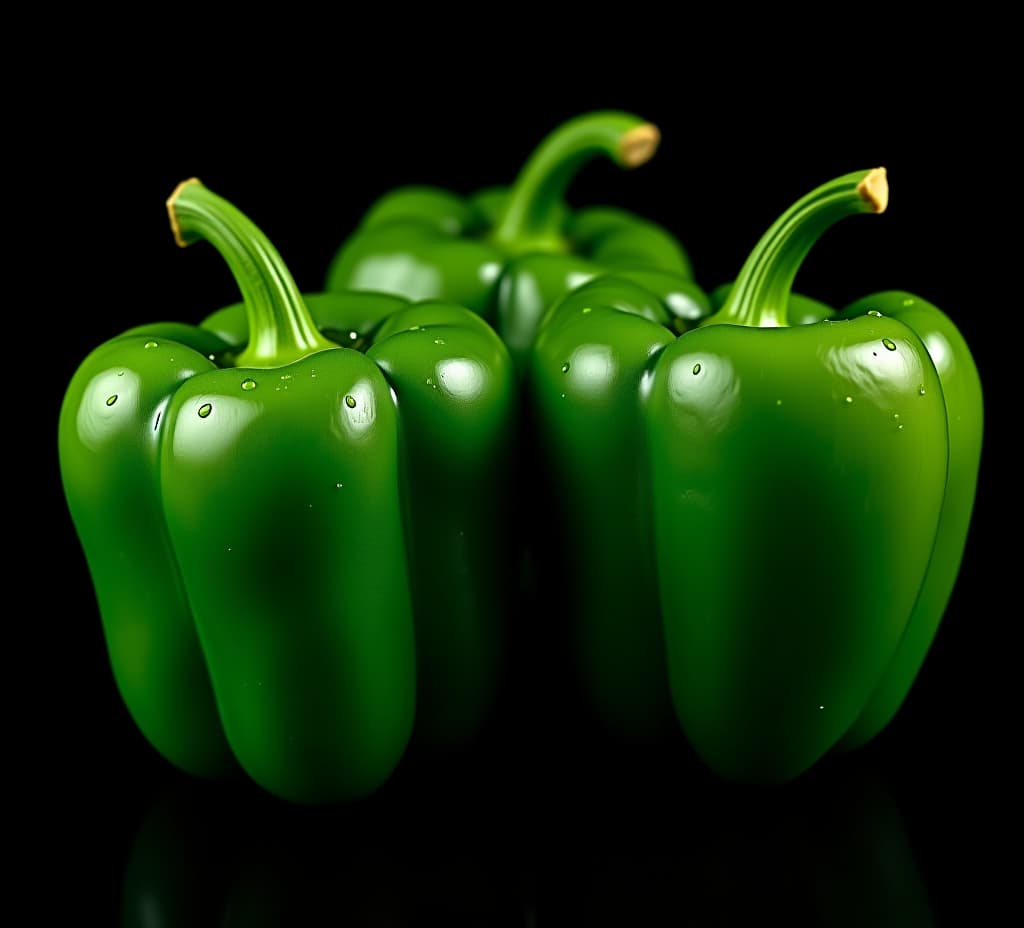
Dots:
{"x": 298, "y": 514}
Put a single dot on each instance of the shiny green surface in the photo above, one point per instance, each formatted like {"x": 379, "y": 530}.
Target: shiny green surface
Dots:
{"x": 760, "y": 457}
{"x": 423, "y": 242}
{"x": 961, "y": 390}
{"x": 790, "y": 482}
{"x": 454, "y": 388}
{"x": 109, "y": 460}
{"x": 584, "y": 386}
{"x": 247, "y": 527}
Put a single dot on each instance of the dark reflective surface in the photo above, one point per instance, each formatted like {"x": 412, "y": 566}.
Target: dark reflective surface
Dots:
{"x": 196, "y": 861}
{"x": 839, "y": 858}
{"x": 593, "y": 836}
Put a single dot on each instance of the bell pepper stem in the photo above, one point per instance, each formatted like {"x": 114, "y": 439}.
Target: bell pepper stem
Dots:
{"x": 530, "y": 219}
{"x": 281, "y": 329}
{"x": 761, "y": 292}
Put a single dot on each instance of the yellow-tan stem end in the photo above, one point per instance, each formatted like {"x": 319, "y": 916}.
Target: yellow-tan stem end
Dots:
{"x": 173, "y": 216}
{"x": 638, "y": 145}
{"x": 874, "y": 190}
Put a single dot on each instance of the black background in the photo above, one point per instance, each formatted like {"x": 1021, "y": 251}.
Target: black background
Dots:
{"x": 541, "y": 821}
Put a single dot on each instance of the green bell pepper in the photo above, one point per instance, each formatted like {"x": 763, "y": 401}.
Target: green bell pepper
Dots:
{"x": 245, "y": 493}
{"x": 509, "y": 254}
{"x": 798, "y": 496}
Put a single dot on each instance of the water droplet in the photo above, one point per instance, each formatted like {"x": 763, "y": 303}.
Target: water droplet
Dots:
{"x": 212, "y": 357}
{"x": 921, "y": 390}
{"x": 312, "y": 374}
{"x": 896, "y": 415}
{"x": 889, "y": 344}
{"x": 778, "y": 402}
{"x": 874, "y": 312}
{"x": 415, "y": 328}
{"x": 248, "y": 384}
{"x": 111, "y": 400}
{"x": 563, "y": 396}
{"x": 565, "y": 368}
{"x": 586, "y": 309}
{"x": 204, "y": 411}
{"x": 908, "y": 302}
{"x": 309, "y": 505}
{"x": 350, "y": 401}
{"x": 339, "y": 485}
{"x": 150, "y": 344}
{"x": 171, "y": 360}
{"x": 696, "y": 368}
{"x": 353, "y": 336}
{"x": 120, "y": 373}
{"x": 286, "y": 376}
{"x": 438, "y": 341}
{"x": 821, "y": 707}
{"x": 899, "y": 428}
{"x": 849, "y": 400}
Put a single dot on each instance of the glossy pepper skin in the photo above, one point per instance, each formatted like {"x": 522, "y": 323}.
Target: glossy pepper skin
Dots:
{"x": 583, "y": 387}
{"x": 245, "y": 504}
{"x": 805, "y": 525}
{"x": 509, "y": 254}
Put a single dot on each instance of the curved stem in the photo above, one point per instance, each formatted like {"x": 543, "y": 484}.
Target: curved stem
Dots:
{"x": 531, "y": 215}
{"x": 280, "y": 327}
{"x": 761, "y": 292}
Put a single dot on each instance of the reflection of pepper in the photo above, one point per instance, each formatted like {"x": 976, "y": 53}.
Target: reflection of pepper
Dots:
{"x": 201, "y": 858}
{"x": 765, "y": 440}
{"x": 508, "y": 255}
{"x": 250, "y": 488}
{"x": 837, "y": 853}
